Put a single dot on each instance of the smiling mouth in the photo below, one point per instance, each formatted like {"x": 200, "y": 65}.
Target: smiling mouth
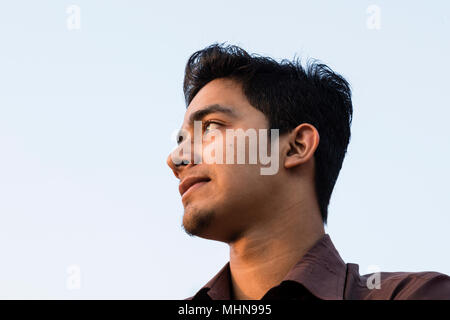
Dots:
{"x": 195, "y": 186}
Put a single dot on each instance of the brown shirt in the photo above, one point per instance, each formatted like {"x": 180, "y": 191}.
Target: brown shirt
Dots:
{"x": 322, "y": 274}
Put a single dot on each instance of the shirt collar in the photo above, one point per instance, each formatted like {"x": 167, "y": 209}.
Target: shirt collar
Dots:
{"x": 321, "y": 271}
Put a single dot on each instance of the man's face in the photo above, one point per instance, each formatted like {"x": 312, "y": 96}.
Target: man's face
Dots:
{"x": 234, "y": 197}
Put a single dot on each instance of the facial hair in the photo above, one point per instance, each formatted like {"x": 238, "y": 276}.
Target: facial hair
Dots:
{"x": 196, "y": 221}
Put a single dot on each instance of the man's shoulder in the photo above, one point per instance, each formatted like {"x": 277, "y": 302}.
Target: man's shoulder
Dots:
{"x": 424, "y": 285}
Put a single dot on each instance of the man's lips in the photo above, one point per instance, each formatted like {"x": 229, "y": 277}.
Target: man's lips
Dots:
{"x": 189, "y": 182}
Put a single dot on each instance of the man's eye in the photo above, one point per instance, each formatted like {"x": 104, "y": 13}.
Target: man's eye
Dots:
{"x": 209, "y": 123}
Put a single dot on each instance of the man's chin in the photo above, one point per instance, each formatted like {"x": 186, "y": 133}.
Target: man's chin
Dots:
{"x": 208, "y": 223}
{"x": 197, "y": 222}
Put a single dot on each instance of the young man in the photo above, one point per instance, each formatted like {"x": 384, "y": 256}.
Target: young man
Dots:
{"x": 272, "y": 211}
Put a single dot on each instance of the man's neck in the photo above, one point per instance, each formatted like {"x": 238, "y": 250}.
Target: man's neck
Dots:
{"x": 262, "y": 257}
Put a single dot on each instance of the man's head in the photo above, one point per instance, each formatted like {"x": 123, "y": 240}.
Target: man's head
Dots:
{"x": 226, "y": 88}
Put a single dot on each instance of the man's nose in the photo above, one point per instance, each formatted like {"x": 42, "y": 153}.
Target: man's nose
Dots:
{"x": 176, "y": 162}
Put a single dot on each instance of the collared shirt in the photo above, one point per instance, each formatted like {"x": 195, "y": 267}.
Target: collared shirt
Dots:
{"x": 322, "y": 274}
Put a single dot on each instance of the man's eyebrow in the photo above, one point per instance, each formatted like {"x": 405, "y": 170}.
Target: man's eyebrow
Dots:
{"x": 213, "y": 108}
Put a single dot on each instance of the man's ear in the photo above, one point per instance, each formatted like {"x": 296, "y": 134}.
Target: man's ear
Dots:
{"x": 303, "y": 142}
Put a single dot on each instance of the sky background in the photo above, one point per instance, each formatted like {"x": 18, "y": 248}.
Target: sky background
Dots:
{"x": 88, "y": 207}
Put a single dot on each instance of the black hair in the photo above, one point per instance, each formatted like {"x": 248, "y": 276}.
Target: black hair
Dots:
{"x": 288, "y": 94}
